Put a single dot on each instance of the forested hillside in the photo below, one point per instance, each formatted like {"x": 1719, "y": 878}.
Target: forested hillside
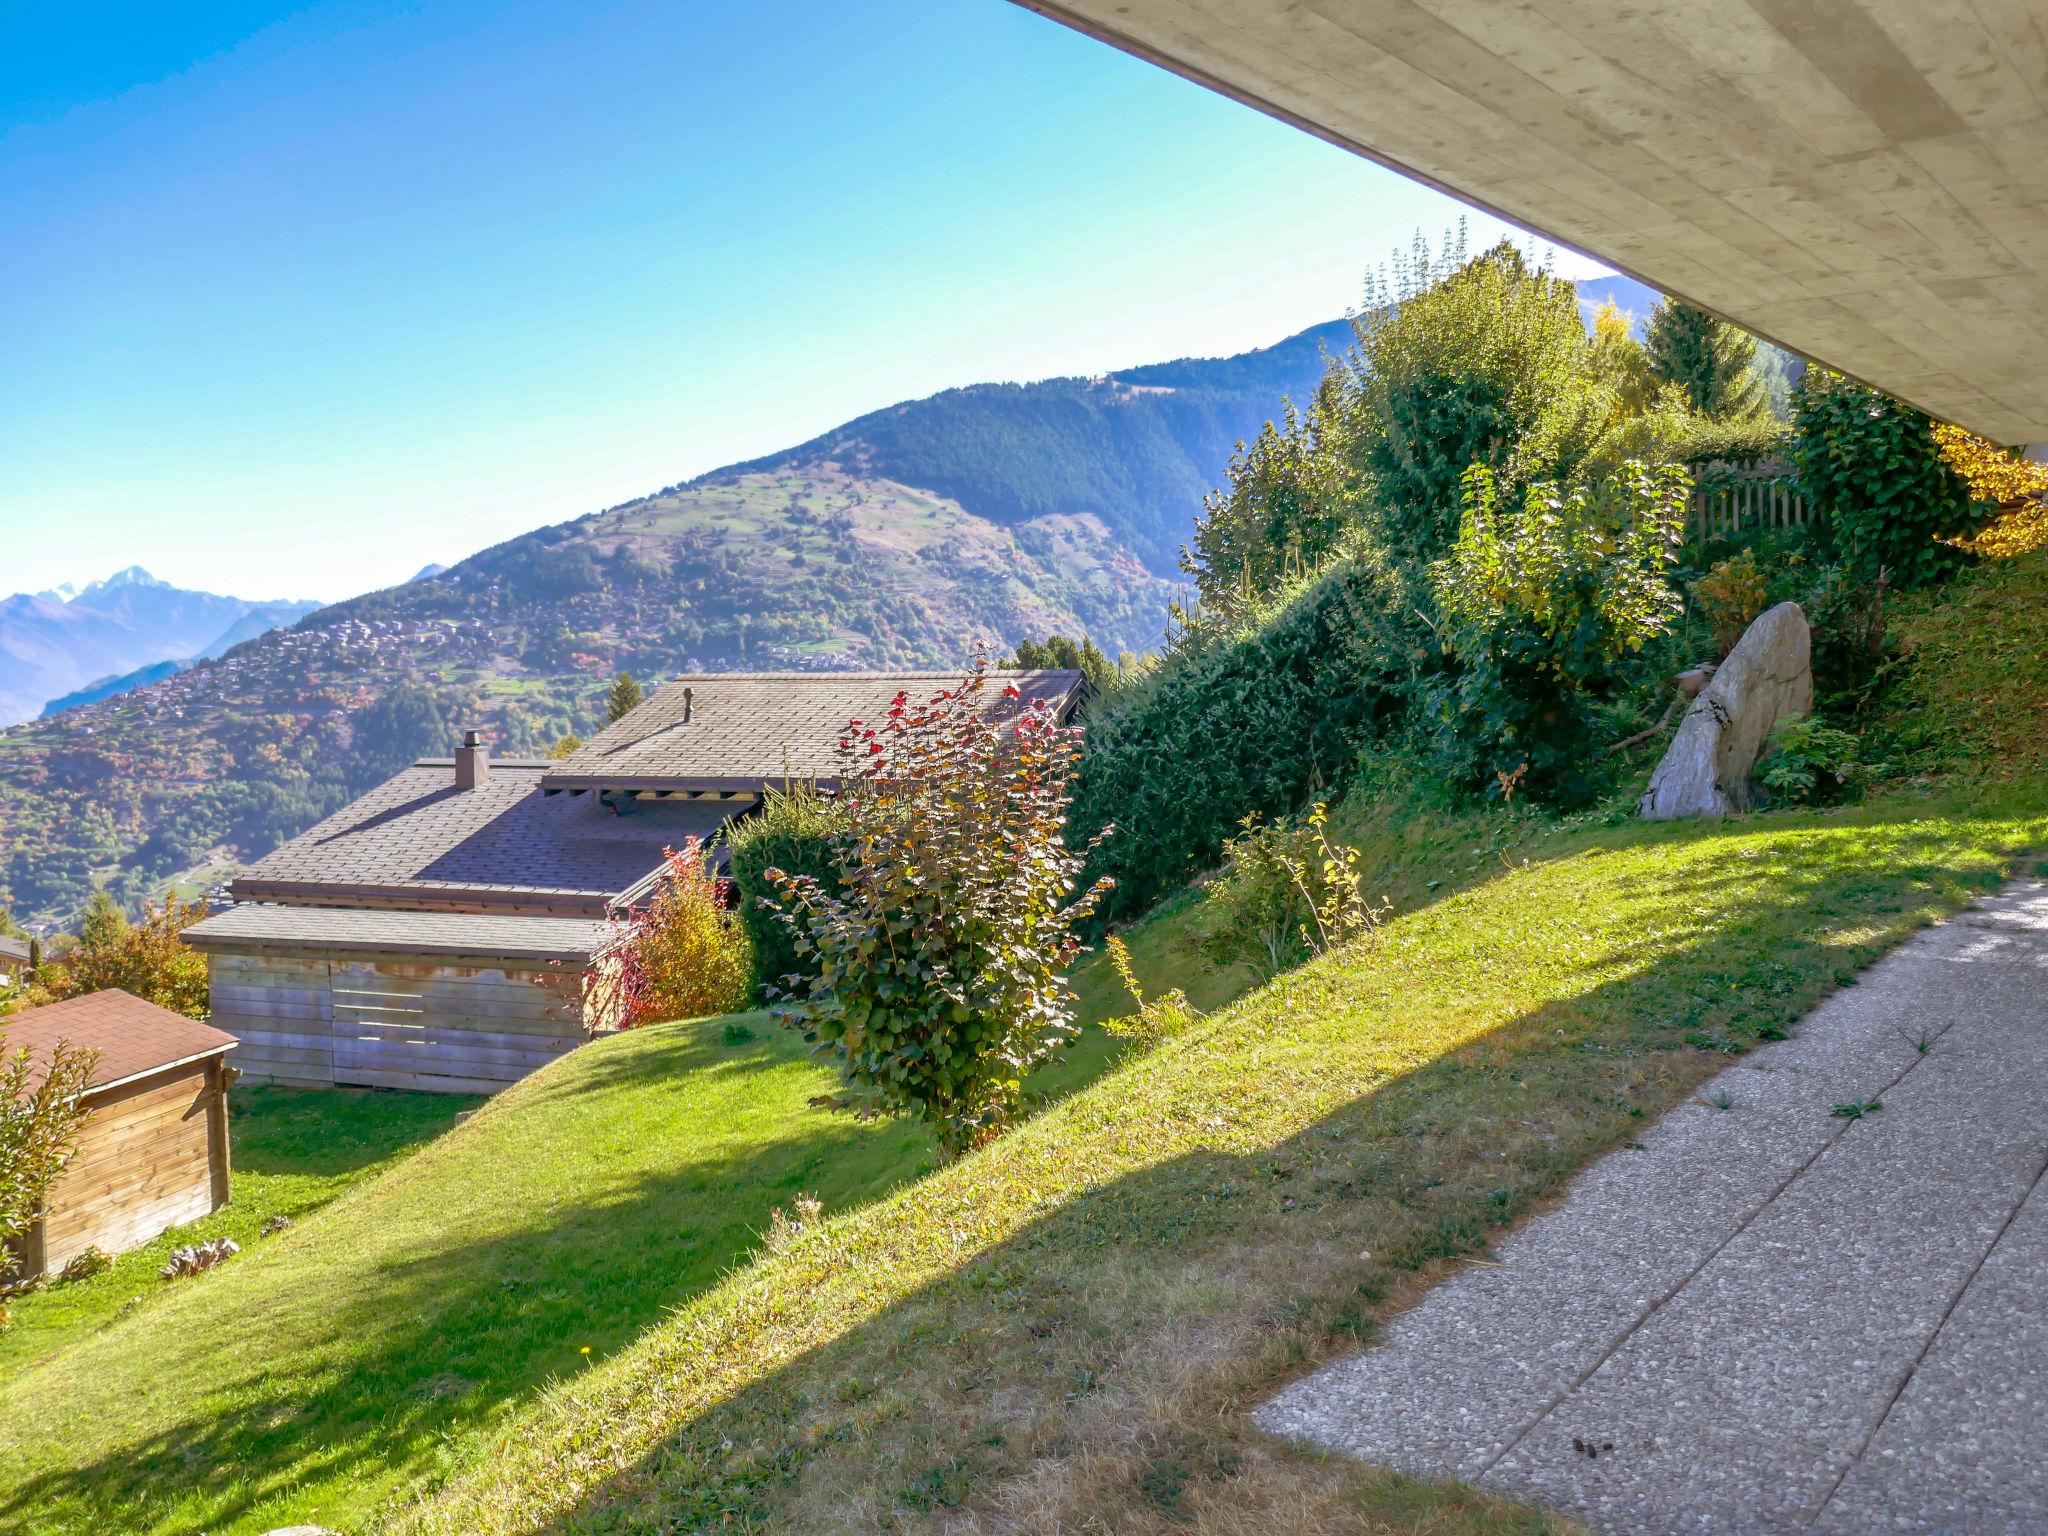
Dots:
{"x": 1138, "y": 449}
{"x": 984, "y": 514}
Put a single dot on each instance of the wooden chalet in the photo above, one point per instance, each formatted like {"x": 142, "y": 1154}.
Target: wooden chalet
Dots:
{"x": 152, "y": 1152}
{"x": 437, "y": 933}
{"x": 13, "y": 960}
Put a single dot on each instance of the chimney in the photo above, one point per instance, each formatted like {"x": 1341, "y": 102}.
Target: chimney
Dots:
{"x": 688, "y": 695}
{"x": 472, "y": 761}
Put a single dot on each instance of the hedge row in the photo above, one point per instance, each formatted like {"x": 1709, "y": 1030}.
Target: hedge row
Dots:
{"x": 1257, "y": 717}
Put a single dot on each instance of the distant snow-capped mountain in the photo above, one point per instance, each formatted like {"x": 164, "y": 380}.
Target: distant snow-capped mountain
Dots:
{"x": 67, "y": 639}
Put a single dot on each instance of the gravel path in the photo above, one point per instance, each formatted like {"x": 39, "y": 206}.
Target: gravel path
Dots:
{"x": 1770, "y": 1318}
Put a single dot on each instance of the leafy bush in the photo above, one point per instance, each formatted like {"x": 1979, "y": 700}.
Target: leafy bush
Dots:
{"x": 1253, "y": 715}
{"x": 87, "y": 1262}
{"x": 39, "y": 1121}
{"x": 1850, "y": 635}
{"x": 1809, "y": 762}
{"x": 1871, "y": 467}
{"x": 1286, "y": 892}
{"x": 681, "y": 956}
{"x": 793, "y": 832}
{"x": 1539, "y": 603}
{"x": 1160, "y": 1018}
{"x": 941, "y": 956}
{"x": 1731, "y": 595}
{"x": 1289, "y": 499}
{"x": 146, "y": 958}
{"x": 1471, "y": 362}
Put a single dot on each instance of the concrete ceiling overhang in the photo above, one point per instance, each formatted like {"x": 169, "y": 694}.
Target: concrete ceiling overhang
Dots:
{"x": 1861, "y": 181}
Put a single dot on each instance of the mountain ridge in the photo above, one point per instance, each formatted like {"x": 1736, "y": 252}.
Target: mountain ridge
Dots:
{"x": 1056, "y": 505}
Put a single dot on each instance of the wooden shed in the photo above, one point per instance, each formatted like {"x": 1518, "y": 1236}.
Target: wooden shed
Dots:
{"x": 153, "y": 1150}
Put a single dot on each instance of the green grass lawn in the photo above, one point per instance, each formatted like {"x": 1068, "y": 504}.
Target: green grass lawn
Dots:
{"x": 387, "y": 1339}
{"x": 292, "y": 1152}
{"x": 1057, "y": 1331}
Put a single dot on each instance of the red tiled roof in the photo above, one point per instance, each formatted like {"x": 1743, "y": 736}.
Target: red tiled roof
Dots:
{"x": 748, "y": 730}
{"x": 133, "y": 1037}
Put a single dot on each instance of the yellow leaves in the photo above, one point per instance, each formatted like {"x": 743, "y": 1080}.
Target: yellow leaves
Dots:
{"x": 2019, "y": 531}
{"x": 1992, "y": 474}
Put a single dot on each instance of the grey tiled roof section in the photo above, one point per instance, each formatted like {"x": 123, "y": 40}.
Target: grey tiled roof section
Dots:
{"x": 503, "y": 844}
{"x": 747, "y": 729}
{"x": 12, "y": 948}
{"x": 570, "y": 940}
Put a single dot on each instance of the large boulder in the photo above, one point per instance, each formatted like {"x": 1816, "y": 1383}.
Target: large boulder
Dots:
{"x": 1768, "y": 677}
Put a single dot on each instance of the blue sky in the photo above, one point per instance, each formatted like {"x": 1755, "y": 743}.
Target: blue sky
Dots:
{"x": 295, "y": 300}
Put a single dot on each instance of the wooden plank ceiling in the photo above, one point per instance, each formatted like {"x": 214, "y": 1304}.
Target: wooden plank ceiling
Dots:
{"x": 1862, "y": 181}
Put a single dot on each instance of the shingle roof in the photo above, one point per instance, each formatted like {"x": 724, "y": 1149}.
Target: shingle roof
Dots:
{"x": 12, "y": 948}
{"x": 570, "y": 940}
{"x": 504, "y": 845}
{"x": 133, "y": 1037}
{"x": 749, "y": 729}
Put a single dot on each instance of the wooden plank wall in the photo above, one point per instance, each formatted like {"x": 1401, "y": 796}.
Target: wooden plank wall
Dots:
{"x": 277, "y": 1006}
{"x": 392, "y": 1021}
{"x": 145, "y": 1161}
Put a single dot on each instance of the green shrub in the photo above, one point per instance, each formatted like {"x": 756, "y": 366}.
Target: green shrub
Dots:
{"x": 1286, "y": 892}
{"x": 1471, "y": 362}
{"x": 1289, "y": 500}
{"x": 1871, "y": 467}
{"x": 1851, "y": 639}
{"x": 41, "y": 1110}
{"x": 1731, "y": 595}
{"x": 942, "y": 953}
{"x": 1252, "y": 716}
{"x": 1811, "y": 763}
{"x": 1158, "y": 1018}
{"x": 1540, "y": 603}
{"x": 793, "y": 832}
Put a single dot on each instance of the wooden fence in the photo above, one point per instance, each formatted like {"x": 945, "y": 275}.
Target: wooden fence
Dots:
{"x": 1731, "y": 498}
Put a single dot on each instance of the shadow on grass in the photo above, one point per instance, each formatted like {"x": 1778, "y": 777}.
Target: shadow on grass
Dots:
{"x": 327, "y": 1132}
{"x": 449, "y": 1337}
{"x": 949, "y": 1395}
{"x": 416, "y": 1343}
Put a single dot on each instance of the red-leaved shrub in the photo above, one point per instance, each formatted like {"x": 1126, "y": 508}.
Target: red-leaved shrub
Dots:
{"x": 681, "y": 956}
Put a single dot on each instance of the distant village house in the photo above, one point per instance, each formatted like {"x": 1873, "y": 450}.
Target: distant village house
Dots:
{"x": 13, "y": 961}
{"x": 436, "y": 934}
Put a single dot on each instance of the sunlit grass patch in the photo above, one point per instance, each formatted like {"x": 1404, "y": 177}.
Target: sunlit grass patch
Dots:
{"x": 1060, "y": 1332}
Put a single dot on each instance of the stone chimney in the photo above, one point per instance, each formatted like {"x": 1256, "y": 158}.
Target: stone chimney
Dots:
{"x": 472, "y": 761}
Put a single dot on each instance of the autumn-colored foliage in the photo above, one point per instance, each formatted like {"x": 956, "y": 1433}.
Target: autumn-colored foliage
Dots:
{"x": 2017, "y": 487}
{"x": 1731, "y": 595}
{"x": 147, "y": 958}
{"x": 940, "y": 957}
{"x": 683, "y": 955}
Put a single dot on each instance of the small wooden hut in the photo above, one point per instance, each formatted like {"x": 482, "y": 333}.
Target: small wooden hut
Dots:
{"x": 153, "y": 1150}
